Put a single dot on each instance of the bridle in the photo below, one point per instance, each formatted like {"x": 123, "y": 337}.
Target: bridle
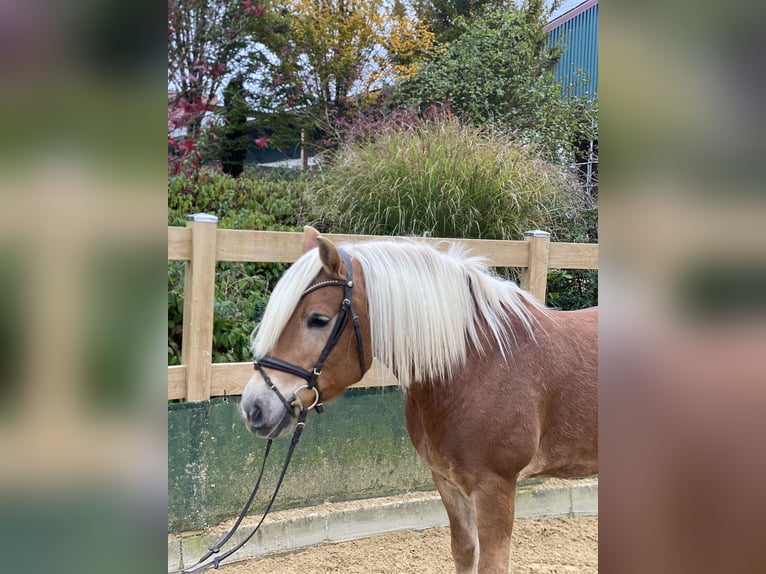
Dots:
{"x": 346, "y": 311}
{"x": 311, "y": 378}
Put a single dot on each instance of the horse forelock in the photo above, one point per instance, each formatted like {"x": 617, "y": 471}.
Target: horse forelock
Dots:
{"x": 428, "y": 307}
{"x": 283, "y": 301}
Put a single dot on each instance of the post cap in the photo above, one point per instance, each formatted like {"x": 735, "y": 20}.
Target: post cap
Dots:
{"x": 537, "y": 233}
{"x": 203, "y": 217}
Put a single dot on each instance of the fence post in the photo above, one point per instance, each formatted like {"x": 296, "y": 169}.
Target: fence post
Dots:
{"x": 199, "y": 297}
{"x": 534, "y": 278}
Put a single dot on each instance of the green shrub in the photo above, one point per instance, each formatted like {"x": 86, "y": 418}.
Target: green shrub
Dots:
{"x": 444, "y": 179}
{"x": 498, "y": 69}
{"x": 254, "y": 201}
{"x": 575, "y": 288}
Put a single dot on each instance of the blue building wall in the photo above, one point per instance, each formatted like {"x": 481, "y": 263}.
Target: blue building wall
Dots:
{"x": 575, "y": 25}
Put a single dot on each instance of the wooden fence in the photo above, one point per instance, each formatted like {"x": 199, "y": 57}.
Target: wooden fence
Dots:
{"x": 201, "y": 244}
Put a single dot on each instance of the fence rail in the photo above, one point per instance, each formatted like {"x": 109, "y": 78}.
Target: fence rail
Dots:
{"x": 201, "y": 244}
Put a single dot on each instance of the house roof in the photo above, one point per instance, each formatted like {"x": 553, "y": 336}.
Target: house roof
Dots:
{"x": 568, "y": 10}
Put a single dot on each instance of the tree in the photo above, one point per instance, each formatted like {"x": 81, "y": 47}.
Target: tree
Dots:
{"x": 408, "y": 42}
{"x": 447, "y": 18}
{"x": 330, "y": 51}
{"x": 500, "y": 72}
{"x": 234, "y": 140}
{"x": 208, "y": 42}
{"x": 322, "y": 53}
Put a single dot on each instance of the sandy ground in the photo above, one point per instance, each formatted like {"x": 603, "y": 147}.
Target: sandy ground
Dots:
{"x": 549, "y": 546}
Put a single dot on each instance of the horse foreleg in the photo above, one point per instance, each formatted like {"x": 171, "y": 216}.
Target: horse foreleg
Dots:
{"x": 494, "y": 507}
{"x": 462, "y": 525}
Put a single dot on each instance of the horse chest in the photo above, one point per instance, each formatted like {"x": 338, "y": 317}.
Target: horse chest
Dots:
{"x": 437, "y": 438}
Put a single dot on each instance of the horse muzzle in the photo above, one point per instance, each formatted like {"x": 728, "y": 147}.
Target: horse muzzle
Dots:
{"x": 265, "y": 415}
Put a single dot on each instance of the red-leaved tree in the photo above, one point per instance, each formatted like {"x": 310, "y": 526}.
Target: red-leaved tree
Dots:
{"x": 208, "y": 42}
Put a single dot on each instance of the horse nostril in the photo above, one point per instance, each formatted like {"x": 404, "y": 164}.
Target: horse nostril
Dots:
{"x": 255, "y": 417}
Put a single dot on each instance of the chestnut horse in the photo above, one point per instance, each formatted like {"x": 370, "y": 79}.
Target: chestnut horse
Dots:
{"x": 497, "y": 387}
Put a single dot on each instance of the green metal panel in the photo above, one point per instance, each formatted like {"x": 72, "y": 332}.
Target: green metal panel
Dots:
{"x": 358, "y": 448}
{"x": 580, "y": 59}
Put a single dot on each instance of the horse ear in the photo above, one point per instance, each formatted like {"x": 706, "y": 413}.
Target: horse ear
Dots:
{"x": 309, "y": 238}
{"x": 330, "y": 257}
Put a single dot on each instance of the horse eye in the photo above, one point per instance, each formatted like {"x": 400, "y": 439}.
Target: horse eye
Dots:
{"x": 317, "y": 321}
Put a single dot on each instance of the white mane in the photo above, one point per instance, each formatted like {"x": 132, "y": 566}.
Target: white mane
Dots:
{"x": 426, "y": 307}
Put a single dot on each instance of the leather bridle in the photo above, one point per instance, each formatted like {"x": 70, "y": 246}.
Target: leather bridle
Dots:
{"x": 346, "y": 311}
{"x": 311, "y": 378}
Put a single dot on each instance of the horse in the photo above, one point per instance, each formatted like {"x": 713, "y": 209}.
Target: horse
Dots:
{"x": 497, "y": 386}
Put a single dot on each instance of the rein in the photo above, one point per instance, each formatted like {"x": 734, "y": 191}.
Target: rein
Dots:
{"x": 215, "y": 562}
{"x": 346, "y": 311}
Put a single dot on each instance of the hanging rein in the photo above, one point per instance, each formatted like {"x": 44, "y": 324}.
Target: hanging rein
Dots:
{"x": 346, "y": 312}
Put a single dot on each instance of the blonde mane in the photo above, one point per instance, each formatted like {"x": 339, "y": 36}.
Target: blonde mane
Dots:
{"x": 427, "y": 308}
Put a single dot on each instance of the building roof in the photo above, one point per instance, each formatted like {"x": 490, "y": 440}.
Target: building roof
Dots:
{"x": 566, "y": 11}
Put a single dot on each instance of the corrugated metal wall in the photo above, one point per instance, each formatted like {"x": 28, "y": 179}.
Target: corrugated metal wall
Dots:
{"x": 580, "y": 36}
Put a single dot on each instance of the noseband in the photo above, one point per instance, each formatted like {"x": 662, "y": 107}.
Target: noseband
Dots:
{"x": 346, "y": 311}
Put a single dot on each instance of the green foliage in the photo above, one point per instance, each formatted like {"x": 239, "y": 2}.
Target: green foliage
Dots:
{"x": 443, "y": 15}
{"x": 575, "y": 288}
{"x": 259, "y": 200}
{"x": 500, "y": 71}
{"x": 234, "y": 140}
{"x": 316, "y": 51}
{"x": 443, "y": 179}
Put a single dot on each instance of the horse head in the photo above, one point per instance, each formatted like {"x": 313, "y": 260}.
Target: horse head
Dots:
{"x": 313, "y": 342}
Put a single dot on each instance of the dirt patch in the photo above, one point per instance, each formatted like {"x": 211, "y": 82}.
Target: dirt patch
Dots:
{"x": 549, "y": 546}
